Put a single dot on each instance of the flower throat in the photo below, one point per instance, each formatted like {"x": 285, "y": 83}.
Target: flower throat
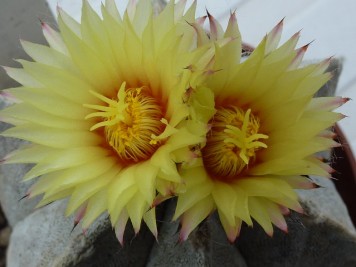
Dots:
{"x": 232, "y": 143}
{"x": 130, "y": 122}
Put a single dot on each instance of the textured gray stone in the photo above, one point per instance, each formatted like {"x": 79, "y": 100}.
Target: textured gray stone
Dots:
{"x": 324, "y": 236}
{"x": 206, "y": 246}
{"x": 18, "y": 19}
{"x": 12, "y": 189}
{"x": 222, "y": 252}
{"x": 170, "y": 252}
{"x": 325, "y": 204}
{"x": 45, "y": 238}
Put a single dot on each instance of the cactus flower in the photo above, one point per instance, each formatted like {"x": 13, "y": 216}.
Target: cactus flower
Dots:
{"x": 263, "y": 135}
{"x": 103, "y": 107}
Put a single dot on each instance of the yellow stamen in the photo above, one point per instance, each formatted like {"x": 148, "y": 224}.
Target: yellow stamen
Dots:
{"x": 232, "y": 143}
{"x": 130, "y": 122}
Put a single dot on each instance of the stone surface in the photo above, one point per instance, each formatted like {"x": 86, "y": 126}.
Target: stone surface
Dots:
{"x": 325, "y": 204}
{"x": 324, "y": 236}
{"x": 12, "y": 189}
{"x": 206, "y": 246}
{"x": 18, "y": 19}
{"x": 222, "y": 252}
{"x": 168, "y": 251}
{"x": 45, "y": 238}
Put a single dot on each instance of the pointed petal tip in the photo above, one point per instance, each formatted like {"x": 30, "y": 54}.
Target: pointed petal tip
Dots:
{"x": 304, "y": 48}
{"x": 59, "y": 9}
{"x": 281, "y": 22}
{"x": 285, "y": 229}
{"x": 233, "y": 13}
{"x": 80, "y": 213}
{"x": 155, "y": 234}
{"x": 25, "y": 196}
{"x": 232, "y": 238}
{"x": 136, "y": 232}
{"x": 121, "y": 241}
{"x": 343, "y": 116}
{"x": 300, "y": 210}
{"x": 296, "y": 35}
{"x": 201, "y": 20}
{"x": 85, "y": 231}
{"x": 332, "y": 170}
{"x": 208, "y": 13}
{"x": 74, "y": 226}
{"x": 270, "y": 233}
{"x": 41, "y": 21}
{"x": 183, "y": 233}
{"x": 182, "y": 237}
{"x": 346, "y": 99}
{"x": 278, "y": 28}
{"x": 316, "y": 186}
{"x": 284, "y": 210}
{"x": 336, "y": 145}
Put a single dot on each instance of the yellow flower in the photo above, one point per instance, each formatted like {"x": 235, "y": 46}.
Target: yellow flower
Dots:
{"x": 263, "y": 137}
{"x": 104, "y": 109}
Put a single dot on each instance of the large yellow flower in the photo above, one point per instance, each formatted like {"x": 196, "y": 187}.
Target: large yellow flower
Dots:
{"x": 263, "y": 137}
{"x": 104, "y": 108}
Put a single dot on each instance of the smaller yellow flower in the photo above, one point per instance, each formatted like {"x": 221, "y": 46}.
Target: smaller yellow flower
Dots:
{"x": 263, "y": 135}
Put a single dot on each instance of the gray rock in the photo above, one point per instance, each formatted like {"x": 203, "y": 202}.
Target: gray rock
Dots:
{"x": 206, "y": 246}
{"x": 12, "y": 189}
{"x": 170, "y": 252}
{"x": 324, "y": 236}
{"x": 18, "y": 19}
{"x": 45, "y": 238}
{"x": 325, "y": 204}
{"x": 222, "y": 252}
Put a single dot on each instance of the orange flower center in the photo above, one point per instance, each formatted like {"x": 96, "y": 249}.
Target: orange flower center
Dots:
{"x": 131, "y": 123}
{"x": 232, "y": 143}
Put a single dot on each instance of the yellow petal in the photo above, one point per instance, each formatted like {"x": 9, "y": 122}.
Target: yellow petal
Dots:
{"x": 146, "y": 175}
{"x": 136, "y": 207}
{"x": 225, "y": 199}
{"x": 56, "y": 138}
{"x": 194, "y": 216}
{"x": 84, "y": 191}
{"x": 259, "y": 213}
{"x": 97, "y": 204}
{"x": 150, "y": 219}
